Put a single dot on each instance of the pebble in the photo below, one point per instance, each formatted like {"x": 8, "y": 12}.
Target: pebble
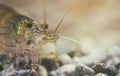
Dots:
{"x": 101, "y": 74}
{"x": 111, "y": 70}
{"x": 66, "y": 70}
{"x": 99, "y": 67}
{"x": 65, "y": 59}
{"x": 118, "y": 72}
{"x": 53, "y": 73}
{"x": 1, "y": 68}
{"x": 4, "y": 58}
{"x": 33, "y": 74}
{"x": 43, "y": 71}
{"x": 49, "y": 64}
{"x": 49, "y": 67}
{"x": 82, "y": 70}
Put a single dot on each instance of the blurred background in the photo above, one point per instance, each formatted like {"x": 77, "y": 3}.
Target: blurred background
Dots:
{"x": 94, "y": 23}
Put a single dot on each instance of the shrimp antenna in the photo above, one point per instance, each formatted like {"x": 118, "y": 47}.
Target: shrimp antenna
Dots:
{"x": 60, "y": 22}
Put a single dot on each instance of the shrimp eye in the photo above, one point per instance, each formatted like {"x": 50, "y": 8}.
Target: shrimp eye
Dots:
{"x": 29, "y": 25}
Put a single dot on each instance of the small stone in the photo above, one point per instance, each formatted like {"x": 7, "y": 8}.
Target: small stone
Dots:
{"x": 117, "y": 65}
{"x": 101, "y": 74}
{"x": 65, "y": 59}
{"x": 107, "y": 68}
{"x": 49, "y": 64}
{"x": 22, "y": 64}
{"x": 82, "y": 70}
{"x": 53, "y": 73}
{"x": 66, "y": 70}
{"x": 33, "y": 74}
{"x": 99, "y": 67}
{"x": 118, "y": 72}
{"x": 111, "y": 70}
{"x": 42, "y": 71}
{"x": 1, "y": 68}
{"x": 4, "y": 58}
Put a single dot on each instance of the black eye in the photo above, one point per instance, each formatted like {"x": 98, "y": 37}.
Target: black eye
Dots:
{"x": 29, "y": 25}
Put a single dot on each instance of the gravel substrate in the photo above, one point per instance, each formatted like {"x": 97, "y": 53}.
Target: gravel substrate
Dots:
{"x": 109, "y": 66}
